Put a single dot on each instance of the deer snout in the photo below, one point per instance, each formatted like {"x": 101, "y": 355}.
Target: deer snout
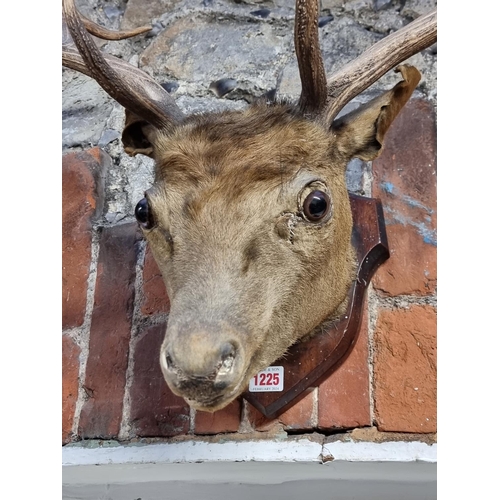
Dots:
{"x": 202, "y": 370}
{"x": 214, "y": 364}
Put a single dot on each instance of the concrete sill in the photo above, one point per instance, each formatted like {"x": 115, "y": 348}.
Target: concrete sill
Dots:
{"x": 335, "y": 480}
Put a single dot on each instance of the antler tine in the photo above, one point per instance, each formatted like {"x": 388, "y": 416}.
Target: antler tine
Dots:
{"x": 131, "y": 87}
{"x": 366, "y": 69}
{"x": 311, "y": 70}
{"x": 72, "y": 59}
{"x": 105, "y": 34}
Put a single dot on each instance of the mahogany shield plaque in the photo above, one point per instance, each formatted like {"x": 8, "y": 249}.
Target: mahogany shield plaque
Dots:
{"x": 307, "y": 363}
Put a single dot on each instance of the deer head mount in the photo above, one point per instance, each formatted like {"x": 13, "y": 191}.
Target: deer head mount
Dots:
{"x": 249, "y": 217}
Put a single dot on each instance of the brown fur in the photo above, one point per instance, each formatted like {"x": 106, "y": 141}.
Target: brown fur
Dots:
{"x": 242, "y": 265}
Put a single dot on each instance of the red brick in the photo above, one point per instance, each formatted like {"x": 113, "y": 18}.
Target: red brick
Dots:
{"x": 155, "y": 294}
{"x": 70, "y": 371}
{"x": 344, "y": 397}
{"x": 225, "y": 420}
{"x": 110, "y": 332}
{"x": 300, "y": 416}
{"x": 155, "y": 410}
{"x": 297, "y": 418}
{"x": 405, "y": 181}
{"x": 82, "y": 198}
{"x": 412, "y": 268}
{"x": 405, "y": 370}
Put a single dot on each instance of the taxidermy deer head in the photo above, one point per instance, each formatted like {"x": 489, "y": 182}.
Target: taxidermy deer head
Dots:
{"x": 248, "y": 217}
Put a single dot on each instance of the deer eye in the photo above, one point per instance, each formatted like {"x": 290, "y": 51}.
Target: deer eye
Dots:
{"x": 316, "y": 206}
{"x": 143, "y": 214}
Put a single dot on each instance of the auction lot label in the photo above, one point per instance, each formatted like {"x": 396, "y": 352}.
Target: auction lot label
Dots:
{"x": 270, "y": 379}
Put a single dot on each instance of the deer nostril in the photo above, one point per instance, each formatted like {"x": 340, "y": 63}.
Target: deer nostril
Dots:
{"x": 227, "y": 364}
{"x": 170, "y": 363}
{"x": 227, "y": 350}
{"x": 228, "y": 353}
{"x": 220, "y": 386}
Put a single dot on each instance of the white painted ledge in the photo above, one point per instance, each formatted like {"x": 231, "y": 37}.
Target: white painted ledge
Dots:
{"x": 300, "y": 450}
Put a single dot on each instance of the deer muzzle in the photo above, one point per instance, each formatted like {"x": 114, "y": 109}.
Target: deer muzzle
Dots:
{"x": 204, "y": 366}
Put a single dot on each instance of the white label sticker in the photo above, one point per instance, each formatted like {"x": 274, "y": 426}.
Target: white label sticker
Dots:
{"x": 270, "y": 379}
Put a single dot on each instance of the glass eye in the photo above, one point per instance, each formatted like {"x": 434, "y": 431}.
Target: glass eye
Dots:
{"x": 316, "y": 206}
{"x": 143, "y": 214}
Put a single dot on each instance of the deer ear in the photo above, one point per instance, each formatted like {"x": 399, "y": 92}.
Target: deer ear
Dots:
{"x": 137, "y": 135}
{"x": 361, "y": 133}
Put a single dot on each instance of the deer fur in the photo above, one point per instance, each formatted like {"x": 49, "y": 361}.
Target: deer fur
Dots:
{"x": 240, "y": 262}
{"x": 247, "y": 273}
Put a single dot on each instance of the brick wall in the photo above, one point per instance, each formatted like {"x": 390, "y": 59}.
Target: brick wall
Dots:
{"x": 115, "y": 310}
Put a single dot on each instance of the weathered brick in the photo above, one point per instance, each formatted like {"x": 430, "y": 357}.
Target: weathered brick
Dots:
{"x": 110, "y": 332}
{"x": 301, "y": 416}
{"x": 405, "y": 369}
{"x": 344, "y": 397}
{"x": 82, "y": 199}
{"x": 155, "y": 410}
{"x": 405, "y": 181}
{"x": 70, "y": 371}
{"x": 225, "y": 420}
{"x": 155, "y": 294}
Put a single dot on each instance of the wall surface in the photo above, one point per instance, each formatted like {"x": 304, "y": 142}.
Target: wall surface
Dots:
{"x": 115, "y": 307}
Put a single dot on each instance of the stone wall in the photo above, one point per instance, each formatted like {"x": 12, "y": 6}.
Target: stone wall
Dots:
{"x": 114, "y": 303}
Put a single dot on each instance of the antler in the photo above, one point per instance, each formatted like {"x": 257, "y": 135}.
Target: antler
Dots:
{"x": 327, "y": 97}
{"x": 140, "y": 94}
{"x": 311, "y": 70}
{"x": 132, "y": 88}
{"x": 105, "y": 34}
{"x": 386, "y": 54}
